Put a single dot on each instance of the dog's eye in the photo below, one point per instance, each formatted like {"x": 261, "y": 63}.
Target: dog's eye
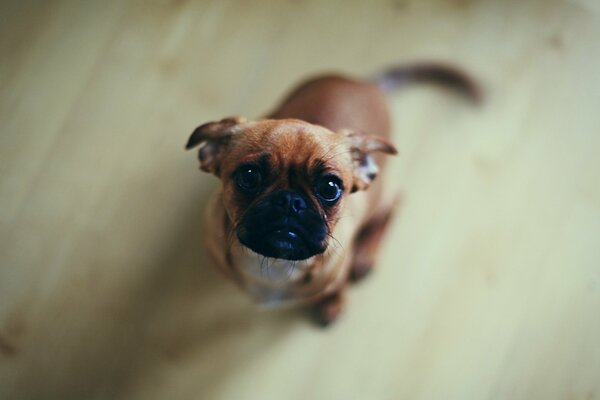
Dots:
{"x": 328, "y": 189}
{"x": 249, "y": 178}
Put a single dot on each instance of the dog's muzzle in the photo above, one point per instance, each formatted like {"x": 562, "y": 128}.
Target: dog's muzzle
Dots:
{"x": 283, "y": 225}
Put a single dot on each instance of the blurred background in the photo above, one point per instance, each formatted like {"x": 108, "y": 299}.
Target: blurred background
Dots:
{"x": 488, "y": 285}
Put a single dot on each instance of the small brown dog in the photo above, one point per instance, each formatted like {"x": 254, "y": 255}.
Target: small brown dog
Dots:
{"x": 293, "y": 221}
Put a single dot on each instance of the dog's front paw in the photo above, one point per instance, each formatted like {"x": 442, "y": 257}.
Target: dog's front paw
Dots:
{"x": 359, "y": 270}
{"x": 328, "y": 309}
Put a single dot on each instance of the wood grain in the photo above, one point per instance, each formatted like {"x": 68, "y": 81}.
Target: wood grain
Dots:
{"x": 488, "y": 286}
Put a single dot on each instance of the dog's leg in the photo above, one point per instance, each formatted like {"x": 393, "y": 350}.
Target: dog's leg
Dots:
{"x": 367, "y": 243}
{"x": 326, "y": 310}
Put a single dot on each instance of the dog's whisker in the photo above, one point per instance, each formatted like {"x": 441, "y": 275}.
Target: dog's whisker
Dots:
{"x": 269, "y": 269}
{"x": 338, "y": 243}
{"x": 262, "y": 270}
{"x": 322, "y": 157}
{"x": 290, "y": 270}
{"x": 337, "y": 154}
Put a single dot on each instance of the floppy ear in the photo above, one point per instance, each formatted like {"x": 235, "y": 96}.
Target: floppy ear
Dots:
{"x": 362, "y": 147}
{"x": 212, "y": 137}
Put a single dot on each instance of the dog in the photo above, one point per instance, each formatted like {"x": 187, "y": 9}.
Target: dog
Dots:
{"x": 302, "y": 207}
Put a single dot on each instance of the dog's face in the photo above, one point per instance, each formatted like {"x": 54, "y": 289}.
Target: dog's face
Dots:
{"x": 285, "y": 181}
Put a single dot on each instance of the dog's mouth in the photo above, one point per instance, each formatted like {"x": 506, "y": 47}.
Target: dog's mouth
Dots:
{"x": 286, "y": 241}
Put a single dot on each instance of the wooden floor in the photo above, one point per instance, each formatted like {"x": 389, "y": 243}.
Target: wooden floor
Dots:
{"x": 488, "y": 286}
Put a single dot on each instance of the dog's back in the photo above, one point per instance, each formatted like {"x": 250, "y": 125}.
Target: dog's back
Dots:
{"x": 338, "y": 102}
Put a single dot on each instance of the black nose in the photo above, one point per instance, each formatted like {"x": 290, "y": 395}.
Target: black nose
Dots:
{"x": 288, "y": 201}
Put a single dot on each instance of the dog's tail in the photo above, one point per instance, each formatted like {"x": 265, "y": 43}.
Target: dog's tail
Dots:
{"x": 437, "y": 73}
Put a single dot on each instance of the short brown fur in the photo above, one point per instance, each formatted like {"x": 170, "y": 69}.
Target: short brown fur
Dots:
{"x": 330, "y": 123}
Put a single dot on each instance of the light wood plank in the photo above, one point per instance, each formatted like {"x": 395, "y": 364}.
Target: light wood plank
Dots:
{"x": 488, "y": 285}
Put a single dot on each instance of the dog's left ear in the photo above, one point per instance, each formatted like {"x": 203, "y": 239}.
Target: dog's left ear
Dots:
{"x": 362, "y": 146}
{"x": 212, "y": 137}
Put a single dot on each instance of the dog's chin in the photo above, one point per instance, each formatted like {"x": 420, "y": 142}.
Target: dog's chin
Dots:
{"x": 283, "y": 244}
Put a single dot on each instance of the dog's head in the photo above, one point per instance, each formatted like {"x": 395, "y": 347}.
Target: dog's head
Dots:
{"x": 285, "y": 181}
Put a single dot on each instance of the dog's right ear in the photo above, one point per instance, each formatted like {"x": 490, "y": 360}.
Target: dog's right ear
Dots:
{"x": 212, "y": 137}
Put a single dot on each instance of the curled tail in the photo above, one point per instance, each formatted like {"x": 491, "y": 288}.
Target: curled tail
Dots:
{"x": 444, "y": 75}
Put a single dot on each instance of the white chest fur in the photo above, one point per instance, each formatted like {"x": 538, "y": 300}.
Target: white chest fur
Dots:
{"x": 268, "y": 279}
{"x": 272, "y": 271}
